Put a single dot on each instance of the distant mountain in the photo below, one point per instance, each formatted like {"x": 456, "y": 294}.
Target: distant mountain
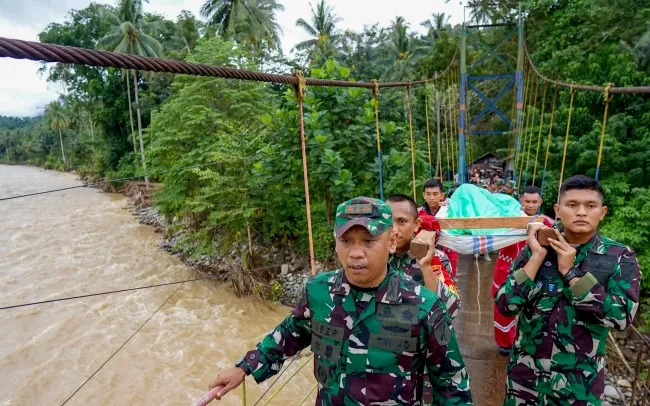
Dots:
{"x": 12, "y": 123}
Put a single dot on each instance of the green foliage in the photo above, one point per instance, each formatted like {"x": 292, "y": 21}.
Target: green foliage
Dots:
{"x": 275, "y": 291}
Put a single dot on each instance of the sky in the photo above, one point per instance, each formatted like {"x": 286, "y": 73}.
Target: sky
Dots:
{"x": 25, "y": 92}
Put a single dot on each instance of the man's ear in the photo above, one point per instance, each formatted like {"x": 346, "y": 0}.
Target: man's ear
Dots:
{"x": 556, "y": 208}
{"x": 603, "y": 212}
{"x": 418, "y": 224}
{"x": 392, "y": 240}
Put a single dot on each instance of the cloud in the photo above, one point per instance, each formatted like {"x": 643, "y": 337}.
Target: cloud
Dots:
{"x": 24, "y": 92}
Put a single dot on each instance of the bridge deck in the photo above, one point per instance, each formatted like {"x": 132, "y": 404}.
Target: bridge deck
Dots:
{"x": 486, "y": 367}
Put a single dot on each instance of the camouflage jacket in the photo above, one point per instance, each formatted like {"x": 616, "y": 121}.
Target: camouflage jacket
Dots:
{"x": 409, "y": 267}
{"x": 376, "y": 357}
{"x": 562, "y": 333}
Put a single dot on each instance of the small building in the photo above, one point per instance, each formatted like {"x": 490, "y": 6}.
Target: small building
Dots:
{"x": 488, "y": 163}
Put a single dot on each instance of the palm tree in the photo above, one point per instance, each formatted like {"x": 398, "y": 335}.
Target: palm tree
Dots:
{"x": 400, "y": 43}
{"x": 322, "y": 27}
{"x": 57, "y": 119}
{"x": 250, "y": 21}
{"x": 436, "y": 25}
{"x": 129, "y": 35}
{"x": 222, "y": 13}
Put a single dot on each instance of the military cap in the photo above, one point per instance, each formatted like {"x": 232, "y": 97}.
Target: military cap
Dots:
{"x": 374, "y": 215}
{"x": 500, "y": 182}
{"x": 511, "y": 183}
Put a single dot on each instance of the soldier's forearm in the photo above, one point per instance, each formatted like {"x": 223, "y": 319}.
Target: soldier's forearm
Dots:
{"x": 533, "y": 265}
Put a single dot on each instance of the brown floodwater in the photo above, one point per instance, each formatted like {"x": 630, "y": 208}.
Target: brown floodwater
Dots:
{"x": 83, "y": 241}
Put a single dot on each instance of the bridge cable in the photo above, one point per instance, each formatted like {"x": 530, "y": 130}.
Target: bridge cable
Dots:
{"x": 531, "y": 130}
{"x": 123, "y": 344}
{"x": 539, "y": 134}
{"x": 608, "y": 98}
{"x": 410, "y": 114}
{"x": 566, "y": 143}
{"x": 521, "y": 123}
{"x": 375, "y": 95}
{"x": 523, "y": 134}
{"x": 439, "y": 142}
{"x": 123, "y": 290}
{"x": 426, "y": 115}
{"x": 549, "y": 139}
{"x": 103, "y": 182}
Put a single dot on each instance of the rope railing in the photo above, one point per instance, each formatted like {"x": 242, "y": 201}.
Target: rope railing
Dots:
{"x": 589, "y": 88}
{"x": 36, "y": 51}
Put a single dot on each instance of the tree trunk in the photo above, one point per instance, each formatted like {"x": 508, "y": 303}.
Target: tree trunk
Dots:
{"x": 92, "y": 131}
{"x": 128, "y": 92}
{"x": 137, "y": 109}
{"x": 62, "y": 151}
{"x": 328, "y": 206}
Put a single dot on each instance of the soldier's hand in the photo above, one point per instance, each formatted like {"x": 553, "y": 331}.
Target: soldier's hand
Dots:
{"x": 426, "y": 260}
{"x": 535, "y": 248}
{"x": 229, "y": 380}
{"x": 566, "y": 254}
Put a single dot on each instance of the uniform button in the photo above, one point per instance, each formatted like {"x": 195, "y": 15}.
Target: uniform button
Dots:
{"x": 252, "y": 356}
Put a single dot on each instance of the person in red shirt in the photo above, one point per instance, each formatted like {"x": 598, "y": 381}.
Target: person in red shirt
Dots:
{"x": 434, "y": 198}
{"x": 505, "y": 328}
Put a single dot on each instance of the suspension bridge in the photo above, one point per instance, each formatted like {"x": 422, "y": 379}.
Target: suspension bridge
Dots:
{"x": 447, "y": 97}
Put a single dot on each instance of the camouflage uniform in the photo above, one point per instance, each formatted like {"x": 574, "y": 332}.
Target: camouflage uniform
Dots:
{"x": 558, "y": 356}
{"x": 409, "y": 267}
{"x": 371, "y": 346}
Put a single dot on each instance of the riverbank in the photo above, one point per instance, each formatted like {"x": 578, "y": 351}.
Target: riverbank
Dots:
{"x": 279, "y": 273}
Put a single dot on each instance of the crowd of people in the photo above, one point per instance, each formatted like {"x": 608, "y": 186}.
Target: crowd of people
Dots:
{"x": 380, "y": 327}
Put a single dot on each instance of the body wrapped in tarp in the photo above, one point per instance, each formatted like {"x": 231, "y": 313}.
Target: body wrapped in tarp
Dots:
{"x": 471, "y": 201}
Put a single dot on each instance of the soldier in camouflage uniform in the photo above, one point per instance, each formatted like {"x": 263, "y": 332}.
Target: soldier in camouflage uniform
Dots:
{"x": 373, "y": 332}
{"x": 568, "y": 297}
{"x": 511, "y": 189}
{"x": 434, "y": 270}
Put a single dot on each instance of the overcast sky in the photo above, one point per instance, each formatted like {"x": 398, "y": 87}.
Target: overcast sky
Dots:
{"x": 23, "y": 92}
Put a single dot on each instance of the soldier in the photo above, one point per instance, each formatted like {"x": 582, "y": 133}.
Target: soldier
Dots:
{"x": 511, "y": 189}
{"x": 501, "y": 186}
{"x": 505, "y": 327}
{"x": 434, "y": 197}
{"x": 433, "y": 270}
{"x": 373, "y": 331}
{"x": 567, "y": 297}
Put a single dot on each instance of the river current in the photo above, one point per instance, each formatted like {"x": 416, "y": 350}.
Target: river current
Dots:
{"x": 82, "y": 241}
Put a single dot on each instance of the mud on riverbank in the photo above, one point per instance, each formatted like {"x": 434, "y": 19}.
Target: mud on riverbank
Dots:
{"x": 276, "y": 274}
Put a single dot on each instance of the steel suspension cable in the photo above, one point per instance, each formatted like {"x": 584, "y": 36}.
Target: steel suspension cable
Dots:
{"x": 410, "y": 114}
{"x": 300, "y": 91}
{"x": 566, "y": 143}
{"x": 426, "y": 115}
{"x": 444, "y": 112}
{"x": 539, "y": 134}
{"x": 608, "y": 99}
{"x": 121, "y": 346}
{"x": 532, "y": 128}
{"x": 451, "y": 134}
{"x": 379, "y": 162}
{"x": 523, "y": 134}
{"x": 549, "y": 139}
{"x": 104, "y": 182}
{"x": 521, "y": 123}
{"x": 439, "y": 154}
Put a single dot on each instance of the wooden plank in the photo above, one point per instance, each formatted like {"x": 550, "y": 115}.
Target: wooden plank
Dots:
{"x": 487, "y": 222}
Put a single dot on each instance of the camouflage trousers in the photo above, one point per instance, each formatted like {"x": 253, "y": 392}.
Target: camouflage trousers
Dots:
{"x": 521, "y": 396}
{"x": 427, "y": 393}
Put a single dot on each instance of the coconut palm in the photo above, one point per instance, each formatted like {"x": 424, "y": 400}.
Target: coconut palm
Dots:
{"x": 322, "y": 25}
{"x": 250, "y": 21}
{"x": 438, "y": 23}
{"x": 57, "y": 120}
{"x": 130, "y": 35}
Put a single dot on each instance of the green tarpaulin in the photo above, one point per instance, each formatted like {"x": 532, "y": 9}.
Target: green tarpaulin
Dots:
{"x": 472, "y": 201}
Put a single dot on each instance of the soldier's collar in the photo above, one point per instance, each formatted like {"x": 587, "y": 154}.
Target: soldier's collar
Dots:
{"x": 596, "y": 244}
{"x": 387, "y": 292}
